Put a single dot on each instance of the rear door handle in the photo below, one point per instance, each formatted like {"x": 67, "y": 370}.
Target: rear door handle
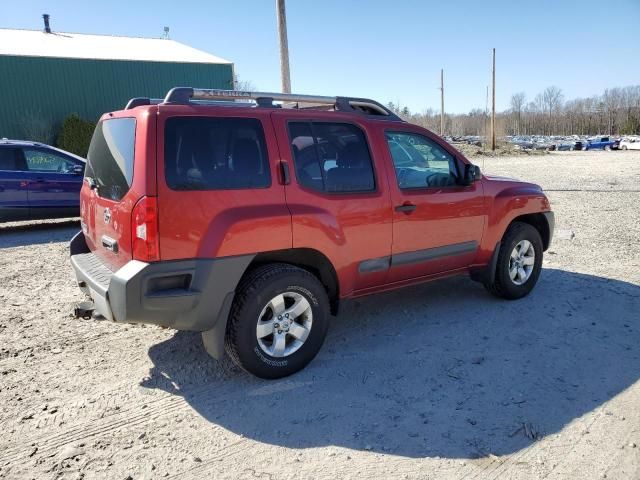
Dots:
{"x": 286, "y": 177}
{"x": 406, "y": 207}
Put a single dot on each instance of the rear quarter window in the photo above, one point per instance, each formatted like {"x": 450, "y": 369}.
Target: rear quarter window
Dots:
{"x": 111, "y": 155}
{"x": 203, "y": 153}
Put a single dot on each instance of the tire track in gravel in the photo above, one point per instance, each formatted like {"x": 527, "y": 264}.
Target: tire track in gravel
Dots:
{"x": 122, "y": 418}
{"x": 14, "y": 359}
{"x": 223, "y": 453}
{"x": 90, "y": 428}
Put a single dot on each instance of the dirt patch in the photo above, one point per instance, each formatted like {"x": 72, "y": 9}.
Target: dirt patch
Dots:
{"x": 436, "y": 381}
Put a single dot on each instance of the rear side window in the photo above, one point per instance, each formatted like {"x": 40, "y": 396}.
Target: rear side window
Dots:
{"x": 203, "y": 153}
{"x": 110, "y": 158}
{"x": 10, "y": 159}
{"x": 331, "y": 157}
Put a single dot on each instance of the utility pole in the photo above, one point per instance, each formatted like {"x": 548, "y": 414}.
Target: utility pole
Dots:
{"x": 493, "y": 104}
{"x": 485, "y": 119}
{"x": 441, "y": 102}
{"x": 284, "y": 47}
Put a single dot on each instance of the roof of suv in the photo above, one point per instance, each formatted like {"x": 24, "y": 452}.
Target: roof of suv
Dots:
{"x": 235, "y": 98}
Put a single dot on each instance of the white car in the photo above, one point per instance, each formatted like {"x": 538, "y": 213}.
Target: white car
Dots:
{"x": 630, "y": 143}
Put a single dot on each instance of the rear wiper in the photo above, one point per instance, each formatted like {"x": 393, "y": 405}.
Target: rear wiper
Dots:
{"x": 92, "y": 183}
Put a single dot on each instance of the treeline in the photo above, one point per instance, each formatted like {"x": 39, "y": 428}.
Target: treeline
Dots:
{"x": 615, "y": 112}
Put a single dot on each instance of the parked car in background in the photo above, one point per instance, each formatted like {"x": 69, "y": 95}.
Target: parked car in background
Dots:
{"x": 569, "y": 145}
{"x": 38, "y": 181}
{"x": 630, "y": 143}
{"x": 602, "y": 143}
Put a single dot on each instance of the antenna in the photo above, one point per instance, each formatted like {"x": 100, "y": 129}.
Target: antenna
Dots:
{"x": 165, "y": 35}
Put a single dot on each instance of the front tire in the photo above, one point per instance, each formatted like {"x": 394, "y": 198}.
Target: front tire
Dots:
{"x": 607, "y": 148}
{"x": 278, "y": 321}
{"x": 519, "y": 262}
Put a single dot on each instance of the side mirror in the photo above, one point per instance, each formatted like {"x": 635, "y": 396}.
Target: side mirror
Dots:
{"x": 471, "y": 174}
{"x": 78, "y": 169}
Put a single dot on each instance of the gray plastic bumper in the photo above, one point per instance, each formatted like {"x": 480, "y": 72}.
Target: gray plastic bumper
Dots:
{"x": 192, "y": 294}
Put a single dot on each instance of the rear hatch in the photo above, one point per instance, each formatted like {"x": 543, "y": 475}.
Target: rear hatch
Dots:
{"x": 106, "y": 198}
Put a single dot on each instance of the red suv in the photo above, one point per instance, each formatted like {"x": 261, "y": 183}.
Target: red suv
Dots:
{"x": 252, "y": 221}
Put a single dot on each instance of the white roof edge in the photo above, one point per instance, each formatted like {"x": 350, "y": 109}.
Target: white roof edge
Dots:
{"x": 36, "y": 43}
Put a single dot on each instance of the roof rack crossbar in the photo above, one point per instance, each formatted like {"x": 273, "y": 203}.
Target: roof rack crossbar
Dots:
{"x": 183, "y": 95}
{"x": 138, "y": 101}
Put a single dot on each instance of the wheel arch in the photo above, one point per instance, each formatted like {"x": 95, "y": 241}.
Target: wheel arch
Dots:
{"x": 311, "y": 260}
{"x": 540, "y": 222}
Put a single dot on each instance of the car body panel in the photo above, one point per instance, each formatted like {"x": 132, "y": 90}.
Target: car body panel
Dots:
{"x": 105, "y": 219}
{"x": 450, "y": 219}
{"x": 220, "y": 223}
{"x": 348, "y": 228}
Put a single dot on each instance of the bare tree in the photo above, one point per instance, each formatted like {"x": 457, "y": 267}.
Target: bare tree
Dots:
{"x": 552, "y": 98}
{"x": 517, "y": 103}
{"x": 243, "y": 85}
{"x": 616, "y": 111}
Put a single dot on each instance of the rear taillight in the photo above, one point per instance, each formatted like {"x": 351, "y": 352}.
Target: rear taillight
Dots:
{"x": 144, "y": 230}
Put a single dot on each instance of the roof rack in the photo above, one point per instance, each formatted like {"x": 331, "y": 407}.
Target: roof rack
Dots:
{"x": 186, "y": 95}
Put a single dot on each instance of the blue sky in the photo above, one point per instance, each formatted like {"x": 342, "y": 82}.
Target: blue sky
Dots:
{"x": 386, "y": 50}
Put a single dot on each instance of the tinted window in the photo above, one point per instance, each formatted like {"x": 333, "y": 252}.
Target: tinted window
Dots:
{"x": 44, "y": 161}
{"x": 331, "y": 157}
{"x": 110, "y": 158}
{"x": 203, "y": 153}
{"x": 9, "y": 159}
{"x": 421, "y": 162}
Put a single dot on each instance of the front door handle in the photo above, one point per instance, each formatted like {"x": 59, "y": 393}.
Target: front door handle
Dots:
{"x": 406, "y": 207}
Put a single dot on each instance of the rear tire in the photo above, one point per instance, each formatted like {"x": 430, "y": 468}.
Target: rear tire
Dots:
{"x": 527, "y": 264}
{"x": 261, "y": 344}
{"x": 607, "y": 147}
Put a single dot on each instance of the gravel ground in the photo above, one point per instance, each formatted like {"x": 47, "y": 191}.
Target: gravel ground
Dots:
{"x": 435, "y": 381}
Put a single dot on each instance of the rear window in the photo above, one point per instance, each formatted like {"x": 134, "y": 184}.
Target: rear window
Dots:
{"x": 110, "y": 158}
{"x": 202, "y": 153}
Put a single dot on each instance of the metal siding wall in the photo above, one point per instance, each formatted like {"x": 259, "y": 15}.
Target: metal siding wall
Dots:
{"x": 41, "y": 90}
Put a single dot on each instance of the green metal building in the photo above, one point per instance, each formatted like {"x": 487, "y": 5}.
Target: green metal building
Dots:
{"x": 44, "y": 77}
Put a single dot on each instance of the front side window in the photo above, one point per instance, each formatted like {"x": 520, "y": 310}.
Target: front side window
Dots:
{"x": 420, "y": 162}
{"x": 331, "y": 157}
{"x": 203, "y": 153}
{"x": 110, "y": 157}
{"x": 43, "y": 161}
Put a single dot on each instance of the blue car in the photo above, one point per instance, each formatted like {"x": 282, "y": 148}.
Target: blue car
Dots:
{"x": 602, "y": 143}
{"x": 38, "y": 181}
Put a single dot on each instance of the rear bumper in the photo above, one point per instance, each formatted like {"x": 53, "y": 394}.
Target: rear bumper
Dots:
{"x": 194, "y": 294}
